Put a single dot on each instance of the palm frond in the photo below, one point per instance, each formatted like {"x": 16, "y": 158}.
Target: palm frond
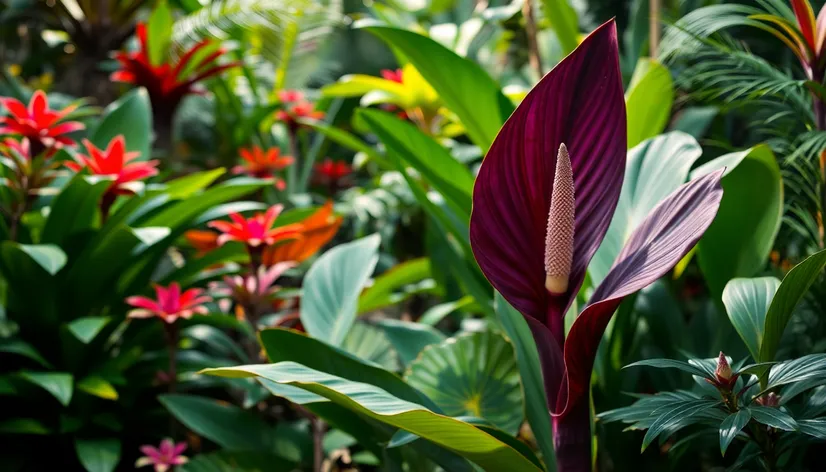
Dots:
{"x": 289, "y": 34}
{"x": 688, "y": 34}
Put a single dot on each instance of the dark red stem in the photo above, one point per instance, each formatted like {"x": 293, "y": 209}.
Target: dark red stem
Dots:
{"x": 572, "y": 439}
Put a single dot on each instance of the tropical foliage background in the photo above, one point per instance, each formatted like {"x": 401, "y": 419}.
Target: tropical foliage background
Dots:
{"x": 262, "y": 235}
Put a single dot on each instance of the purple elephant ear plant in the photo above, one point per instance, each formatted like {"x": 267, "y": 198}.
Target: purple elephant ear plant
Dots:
{"x": 542, "y": 203}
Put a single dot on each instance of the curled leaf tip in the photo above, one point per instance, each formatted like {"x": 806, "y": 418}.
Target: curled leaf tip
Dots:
{"x": 559, "y": 238}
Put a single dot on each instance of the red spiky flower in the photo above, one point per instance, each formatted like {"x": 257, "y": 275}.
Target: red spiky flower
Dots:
{"x": 332, "y": 174}
{"x": 43, "y": 126}
{"x": 263, "y": 164}
{"x": 169, "y": 82}
{"x": 257, "y": 231}
{"x": 297, "y": 110}
{"x": 115, "y": 162}
{"x": 170, "y": 304}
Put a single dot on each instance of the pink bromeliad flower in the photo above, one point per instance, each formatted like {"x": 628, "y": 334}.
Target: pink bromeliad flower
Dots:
{"x": 38, "y": 122}
{"x": 163, "y": 458}
{"x": 170, "y": 304}
{"x": 256, "y": 231}
{"x": 290, "y": 96}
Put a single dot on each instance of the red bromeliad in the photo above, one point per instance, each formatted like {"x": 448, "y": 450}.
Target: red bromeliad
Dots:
{"x": 43, "y": 126}
{"x": 296, "y": 111}
{"x": 256, "y": 231}
{"x": 115, "y": 162}
{"x": 169, "y": 82}
{"x": 542, "y": 203}
{"x": 263, "y": 164}
{"x": 170, "y": 304}
{"x": 332, "y": 174}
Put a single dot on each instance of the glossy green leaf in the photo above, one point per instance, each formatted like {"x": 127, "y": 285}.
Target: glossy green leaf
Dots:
{"x": 648, "y": 101}
{"x": 437, "y": 313}
{"x": 463, "y": 85}
{"x": 409, "y": 339}
{"x": 159, "y": 33}
{"x": 814, "y": 427}
{"x": 472, "y": 375}
{"x": 49, "y": 257}
{"x": 564, "y": 22}
{"x": 57, "y": 383}
{"x": 23, "y": 426}
{"x": 670, "y": 364}
{"x": 130, "y": 116}
{"x": 530, "y": 372}
{"x": 429, "y": 158}
{"x": 285, "y": 344}
{"x": 383, "y": 291}
{"x": 773, "y": 417}
{"x": 371, "y": 344}
{"x": 731, "y": 427}
{"x": 356, "y": 85}
{"x": 188, "y": 185}
{"x": 85, "y": 329}
{"x": 653, "y": 170}
{"x": 332, "y": 287}
{"x": 99, "y": 387}
{"x": 74, "y": 209}
{"x": 738, "y": 242}
{"x": 747, "y": 301}
{"x": 228, "y": 426}
{"x": 373, "y": 402}
{"x": 20, "y": 347}
{"x": 680, "y": 414}
{"x": 98, "y": 455}
{"x": 788, "y": 295}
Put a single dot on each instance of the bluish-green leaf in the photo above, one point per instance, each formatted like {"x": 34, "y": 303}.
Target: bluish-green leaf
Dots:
{"x": 98, "y": 455}
{"x": 373, "y": 402}
{"x": 731, "y": 427}
{"x": 747, "y": 301}
{"x": 773, "y": 417}
{"x": 57, "y": 383}
{"x": 472, "y": 375}
{"x": 332, "y": 287}
{"x": 85, "y": 329}
{"x": 791, "y": 290}
{"x": 409, "y": 339}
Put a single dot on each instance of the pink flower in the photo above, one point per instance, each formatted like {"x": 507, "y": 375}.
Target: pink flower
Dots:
{"x": 393, "y": 75}
{"x": 253, "y": 291}
{"x": 166, "y": 456}
{"x": 256, "y": 231}
{"x": 38, "y": 122}
{"x": 170, "y": 304}
{"x": 289, "y": 96}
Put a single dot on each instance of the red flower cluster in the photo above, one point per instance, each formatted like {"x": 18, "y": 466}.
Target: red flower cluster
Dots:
{"x": 43, "y": 126}
{"x": 168, "y": 83}
{"x": 115, "y": 161}
{"x": 263, "y": 164}
{"x": 256, "y": 231}
{"x": 295, "y": 108}
{"x": 332, "y": 174}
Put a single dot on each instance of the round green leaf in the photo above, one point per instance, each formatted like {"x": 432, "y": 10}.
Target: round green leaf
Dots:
{"x": 131, "y": 116}
{"x": 472, "y": 375}
{"x": 98, "y": 455}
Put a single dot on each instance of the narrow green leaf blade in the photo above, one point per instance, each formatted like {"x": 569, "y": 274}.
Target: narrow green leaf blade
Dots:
{"x": 731, "y": 427}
